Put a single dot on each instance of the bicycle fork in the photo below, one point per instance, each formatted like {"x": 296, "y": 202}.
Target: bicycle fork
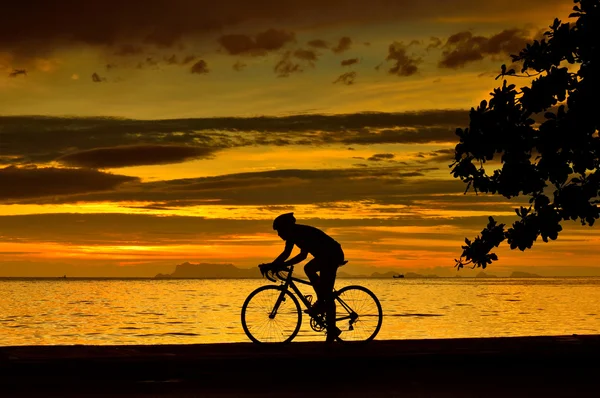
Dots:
{"x": 280, "y": 299}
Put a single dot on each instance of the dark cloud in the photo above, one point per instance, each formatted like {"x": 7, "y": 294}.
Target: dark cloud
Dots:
{"x": 134, "y": 155}
{"x": 318, "y": 43}
{"x": 306, "y": 55}
{"x": 347, "y": 78}
{"x": 343, "y": 45}
{"x": 85, "y": 229}
{"x": 125, "y": 50}
{"x": 276, "y": 187}
{"x": 239, "y": 66}
{"x": 348, "y": 62}
{"x": 286, "y": 66}
{"x": 405, "y": 65}
{"x": 434, "y": 42}
{"x": 33, "y": 182}
{"x": 200, "y": 68}
{"x": 408, "y": 136}
{"x": 378, "y": 157}
{"x": 463, "y": 47}
{"x": 261, "y": 44}
{"x": 17, "y": 72}
{"x": 35, "y": 28}
{"x": 43, "y": 139}
{"x": 96, "y": 78}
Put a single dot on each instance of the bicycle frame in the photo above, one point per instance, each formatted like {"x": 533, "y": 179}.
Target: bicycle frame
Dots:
{"x": 288, "y": 283}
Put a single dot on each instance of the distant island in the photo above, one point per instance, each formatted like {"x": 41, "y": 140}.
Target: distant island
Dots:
{"x": 484, "y": 275}
{"x": 229, "y": 271}
{"x": 210, "y": 271}
{"x": 521, "y": 274}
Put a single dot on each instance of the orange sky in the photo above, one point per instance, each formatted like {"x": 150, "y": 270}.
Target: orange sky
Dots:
{"x": 132, "y": 141}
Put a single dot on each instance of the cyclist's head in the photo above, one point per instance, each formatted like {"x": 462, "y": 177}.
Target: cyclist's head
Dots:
{"x": 283, "y": 222}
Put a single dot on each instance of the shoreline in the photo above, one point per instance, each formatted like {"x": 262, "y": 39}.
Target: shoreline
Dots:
{"x": 533, "y": 366}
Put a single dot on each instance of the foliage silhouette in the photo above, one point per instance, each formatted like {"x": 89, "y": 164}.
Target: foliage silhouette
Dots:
{"x": 554, "y": 160}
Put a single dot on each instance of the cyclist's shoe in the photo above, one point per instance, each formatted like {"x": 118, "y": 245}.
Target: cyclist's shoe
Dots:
{"x": 316, "y": 309}
{"x": 333, "y": 334}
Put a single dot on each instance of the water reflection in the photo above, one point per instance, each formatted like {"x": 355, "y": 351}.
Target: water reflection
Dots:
{"x": 203, "y": 311}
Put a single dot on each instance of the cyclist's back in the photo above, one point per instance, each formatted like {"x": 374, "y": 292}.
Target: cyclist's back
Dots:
{"x": 313, "y": 241}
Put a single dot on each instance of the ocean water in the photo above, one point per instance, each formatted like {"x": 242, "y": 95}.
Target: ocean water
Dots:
{"x": 146, "y": 311}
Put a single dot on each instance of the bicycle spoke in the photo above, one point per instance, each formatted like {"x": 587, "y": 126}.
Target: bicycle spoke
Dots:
{"x": 364, "y": 314}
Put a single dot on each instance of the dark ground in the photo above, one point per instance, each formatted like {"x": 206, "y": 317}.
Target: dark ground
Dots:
{"x": 557, "y": 366}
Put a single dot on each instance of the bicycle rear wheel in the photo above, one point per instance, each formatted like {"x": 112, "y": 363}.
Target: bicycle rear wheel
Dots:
{"x": 358, "y": 314}
{"x": 271, "y": 315}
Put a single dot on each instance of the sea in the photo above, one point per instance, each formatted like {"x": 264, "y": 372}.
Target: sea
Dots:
{"x": 197, "y": 311}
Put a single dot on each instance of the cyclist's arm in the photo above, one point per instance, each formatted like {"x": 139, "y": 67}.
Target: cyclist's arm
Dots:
{"x": 285, "y": 254}
{"x": 300, "y": 257}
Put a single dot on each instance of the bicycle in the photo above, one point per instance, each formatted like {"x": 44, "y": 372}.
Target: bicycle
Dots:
{"x": 272, "y": 314}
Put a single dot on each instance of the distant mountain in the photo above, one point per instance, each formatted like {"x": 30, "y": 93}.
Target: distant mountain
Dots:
{"x": 521, "y": 274}
{"x": 385, "y": 275}
{"x": 210, "y": 271}
{"x": 484, "y": 275}
{"x": 415, "y": 275}
{"x": 391, "y": 274}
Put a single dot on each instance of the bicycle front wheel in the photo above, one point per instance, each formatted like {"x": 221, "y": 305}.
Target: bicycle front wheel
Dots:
{"x": 271, "y": 315}
{"x": 358, "y": 314}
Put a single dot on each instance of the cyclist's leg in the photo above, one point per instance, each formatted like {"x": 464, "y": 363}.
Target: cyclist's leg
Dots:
{"x": 311, "y": 268}
{"x": 328, "y": 274}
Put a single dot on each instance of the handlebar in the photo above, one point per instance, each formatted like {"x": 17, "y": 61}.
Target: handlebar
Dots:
{"x": 273, "y": 274}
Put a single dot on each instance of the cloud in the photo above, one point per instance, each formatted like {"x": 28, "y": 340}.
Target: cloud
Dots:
{"x": 200, "y": 68}
{"x": 346, "y": 78}
{"x": 17, "y": 72}
{"x": 306, "y": 55}
{"x": 348, "y": 62}
{"x": 378, "y": 157}
{"x": 125, "y": 50}
{"x": 34, "y": 182}
{"x": 44, "y": 27}
{"x": 463, "y": 47}
{"x": 343, "y": 45}
{"x": 405, "y": 65}
{"x": 261, "y": 44}
{"x": 239, "y": 66}
{"x": 286, "y": 66}
{"x": 97, "y": 79}
{"x": 277, "y": 187}
{"x": 134, "y": 155}
{"x": 41, "y": 139}
{"x": 318, "y": 43}
{"x": 434, "y": 42}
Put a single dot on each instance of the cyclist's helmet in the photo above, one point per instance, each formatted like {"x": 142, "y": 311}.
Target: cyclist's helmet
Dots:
{"x": 284, "y": 221}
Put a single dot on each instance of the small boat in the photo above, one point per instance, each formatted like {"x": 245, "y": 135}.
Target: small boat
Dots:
{"x": 398, "y": 276}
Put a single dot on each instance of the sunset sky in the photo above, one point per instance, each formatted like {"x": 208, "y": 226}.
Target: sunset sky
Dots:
{"x": 137, "y": 135}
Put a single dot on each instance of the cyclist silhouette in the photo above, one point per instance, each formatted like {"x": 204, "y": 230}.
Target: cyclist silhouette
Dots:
{"x": 328, "y": 256}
